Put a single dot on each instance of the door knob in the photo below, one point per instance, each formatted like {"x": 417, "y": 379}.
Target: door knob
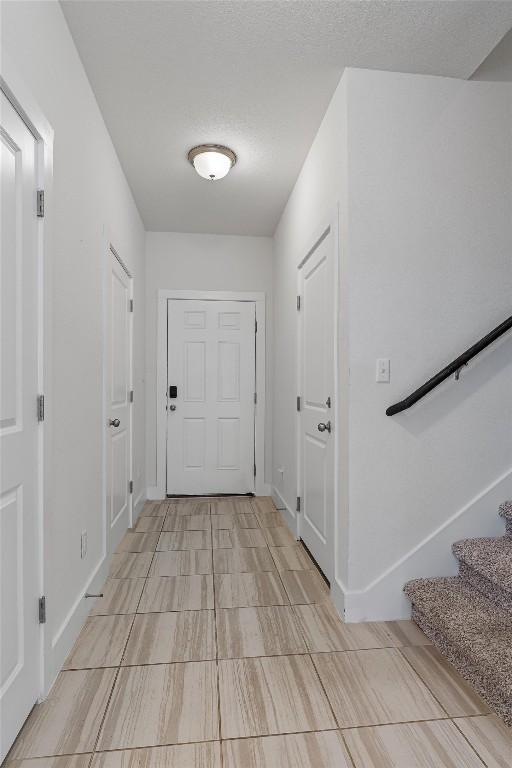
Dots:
{"x": 114, "y": 422}
{"x": 172, "y": 407}
{"x": 324, "y": 427}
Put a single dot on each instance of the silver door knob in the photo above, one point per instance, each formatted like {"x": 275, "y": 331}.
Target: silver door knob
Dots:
{"x": 324, "y": 427}
{"x": 114, "y": 422}
{"x": 172, "y": 407}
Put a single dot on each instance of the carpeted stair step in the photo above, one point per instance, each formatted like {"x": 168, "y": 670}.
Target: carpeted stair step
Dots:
{"x": 487, "y": 565}
{"x": 472, "y": 632}
{"x": 505, "y": 512}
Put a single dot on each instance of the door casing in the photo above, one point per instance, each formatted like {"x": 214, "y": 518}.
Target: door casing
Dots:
{"x": 259, "y": 299}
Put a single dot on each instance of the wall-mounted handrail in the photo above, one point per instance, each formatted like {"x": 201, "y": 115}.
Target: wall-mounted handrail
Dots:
{"x": 453, "y": 368}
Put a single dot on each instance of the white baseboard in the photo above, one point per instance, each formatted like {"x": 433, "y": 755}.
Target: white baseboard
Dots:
{"x": 288, "y": 514}
{"x": 65, "y": 635}
{"x": 383, "y": 599}
{"x": 138, "y": 505}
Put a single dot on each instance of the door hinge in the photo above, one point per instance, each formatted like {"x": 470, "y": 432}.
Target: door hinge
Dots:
{"x": 130, "y": 305}
{"x": 297, "y": 507}
{"x": 131, "y": 396}
{"x": 255, "y": 326}
{"x": 40, "y": 407}
{"x": 298, "y": 402}
{"x": 42, "y": 610}
{"x": 254, "y": 470}
{"x": 40, "y": 203}
{"x": 298, "y": 303}
{"x": 255, "y": 398}
{"x": 130, "y": 486}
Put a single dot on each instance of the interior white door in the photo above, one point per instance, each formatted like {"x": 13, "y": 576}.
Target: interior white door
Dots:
{"x": 316, "y": 381}
{"x": 210, "y": 415}
{"x": 19, "y": 555}
{"x": 118, "y": 403}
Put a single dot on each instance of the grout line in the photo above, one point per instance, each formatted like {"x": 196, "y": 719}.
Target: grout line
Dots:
{"x": 219, "y": 715}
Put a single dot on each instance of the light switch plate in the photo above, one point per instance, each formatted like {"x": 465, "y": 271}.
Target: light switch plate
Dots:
{"x": 383, "y": 370}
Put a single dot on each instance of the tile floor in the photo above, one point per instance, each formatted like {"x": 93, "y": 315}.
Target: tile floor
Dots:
{"x": 216, "y": 646}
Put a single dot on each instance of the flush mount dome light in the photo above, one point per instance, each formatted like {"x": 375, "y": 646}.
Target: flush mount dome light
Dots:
{"x": 212, "y": 161}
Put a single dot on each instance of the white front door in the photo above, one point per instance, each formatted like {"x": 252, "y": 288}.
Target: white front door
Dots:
{"x": 210, "y": 396}
{"x": 19, "y": 430}
{"x": 316, "y": 417}
{"x": 118, "y": 403}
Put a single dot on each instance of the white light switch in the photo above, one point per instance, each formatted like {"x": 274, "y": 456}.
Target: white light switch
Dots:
{"x": 383, "y": 370}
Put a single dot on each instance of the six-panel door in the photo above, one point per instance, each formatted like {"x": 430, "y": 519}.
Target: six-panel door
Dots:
{"x": 19, "y": 632}
{"x": 210, "y": 422}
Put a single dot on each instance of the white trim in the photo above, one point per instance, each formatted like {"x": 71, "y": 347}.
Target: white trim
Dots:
{"x": 259, "y": 299}
{"x": 289, "y": 515}
{"x": 330, "y": 227}
{"x": 23, "y": 101}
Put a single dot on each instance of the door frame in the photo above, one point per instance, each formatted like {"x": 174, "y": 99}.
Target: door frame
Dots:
{"x": 258, "y": 298}
{"x": 15, "y": 90}
{"x": 331, "y": 227}
{"x": 109, "y": 252}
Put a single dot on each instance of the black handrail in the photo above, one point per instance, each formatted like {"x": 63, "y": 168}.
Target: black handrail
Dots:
{"x": 453, "y": 367}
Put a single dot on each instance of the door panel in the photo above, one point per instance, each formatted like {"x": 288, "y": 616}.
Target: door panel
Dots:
{"x": 118, "y": 403}
{"x": 211, "y": 361}
{"x": 19, "y": 430}
{"x": 316, "y": 374}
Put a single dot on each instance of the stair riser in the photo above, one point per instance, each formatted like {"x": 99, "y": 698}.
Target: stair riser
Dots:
{"x": 491, "y": 591}
{"x": 488, "y": 690}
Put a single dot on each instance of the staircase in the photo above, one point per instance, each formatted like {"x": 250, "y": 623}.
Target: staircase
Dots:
{"x": 469, "y": 616}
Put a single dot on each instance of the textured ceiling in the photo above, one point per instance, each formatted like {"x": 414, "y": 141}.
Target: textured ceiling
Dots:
{"x": 256, "y": 75}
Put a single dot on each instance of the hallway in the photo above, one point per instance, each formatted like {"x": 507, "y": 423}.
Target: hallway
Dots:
{"x": 215, "y": 637}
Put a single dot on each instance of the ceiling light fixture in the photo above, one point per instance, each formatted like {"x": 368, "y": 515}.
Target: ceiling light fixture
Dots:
{"x": 212, "y": 161}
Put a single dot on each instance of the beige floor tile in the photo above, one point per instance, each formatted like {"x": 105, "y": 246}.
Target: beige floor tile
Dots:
{"x": 206, "y": 755}
{"x": 264, "y": 504}
{"x": 100, "y": 643}
{"x": 292, "y": 558}
{"x": 68, "y": 761}
{"x": 162, "y": 638}
{"x": 323, "y": 749}
{"x": 241, "y": 590}
{"x": 269, "y": 631}
{"x": 411, "y": 745}
{"x": 130, "y": 565}
{"x": 238, "y": 537}
{"x": 242, "y": 560}
{"x": 138, "y": 542}
{"x": 146, "y": 524}
{"x": 162, "y": 704}
{"x": 119, "y": 596}
{"x": 271, "y": 695}
{"x": 325, "y": 631}
{"x": 232, "y": 506}
{"x": 490, "y": 737}
{"x": 231, "y": 521}
{"x": 175, "y": 522}
{"x": 449, "y": 688}
{"x": 304, "y": 586}
{"x": 279, "y": 536}
{"x": 67, "y": 721}
{"x": 189, "y": 507}
{"x": 270, "y": 519}
{"x": 182, "y": 562}
{"x": 154, "y": 509}
{"x": 374, "y": 687}
{"x": 177, "y": 593}
{"x": 184, "y": 540}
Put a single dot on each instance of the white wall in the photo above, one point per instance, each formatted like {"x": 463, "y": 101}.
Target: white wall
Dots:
{"x": 426, "y": 237}
{"x": 180, "y": 261}
{"x": 91, "y": 201}
{"x": 498, "y": 65}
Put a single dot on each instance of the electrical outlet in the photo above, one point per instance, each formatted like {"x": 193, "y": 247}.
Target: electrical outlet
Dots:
{"x": 83, "y": 544}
